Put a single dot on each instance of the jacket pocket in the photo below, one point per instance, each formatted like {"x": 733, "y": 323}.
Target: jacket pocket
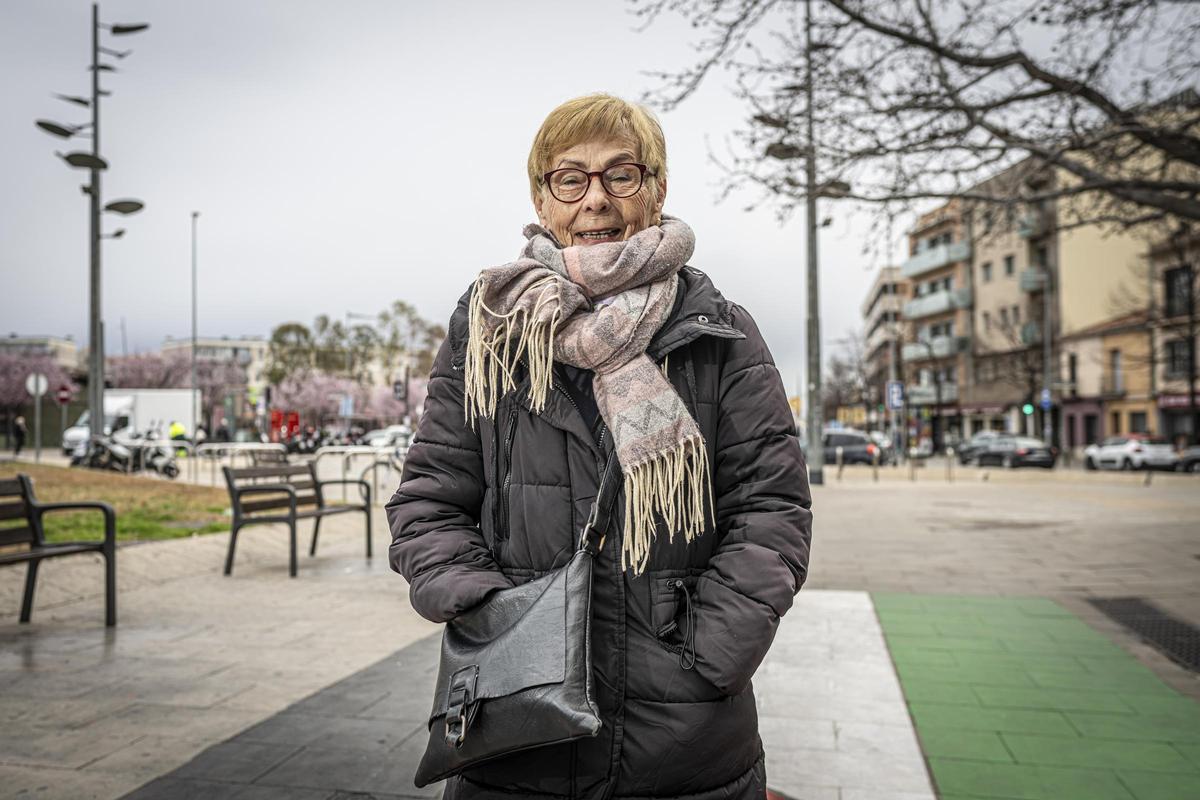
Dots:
{"x": 672, "y": 615}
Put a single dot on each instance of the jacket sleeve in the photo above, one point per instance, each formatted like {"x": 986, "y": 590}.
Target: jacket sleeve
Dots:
{"x": 434, "y": 514}
{"x": 761, "y": 493}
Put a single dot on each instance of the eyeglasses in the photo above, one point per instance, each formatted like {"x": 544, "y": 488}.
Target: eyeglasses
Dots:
{"x": 569, "y": 185}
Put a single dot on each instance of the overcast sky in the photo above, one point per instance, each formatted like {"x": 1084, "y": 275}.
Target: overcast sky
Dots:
{"x": 343, "y": 155}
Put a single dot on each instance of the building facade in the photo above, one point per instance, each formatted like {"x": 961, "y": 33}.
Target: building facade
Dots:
{"x": 937, "y": 322}
{"x": 881, "y": 314}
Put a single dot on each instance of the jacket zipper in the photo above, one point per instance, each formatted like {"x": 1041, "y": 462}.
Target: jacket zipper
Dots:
{"x": 502, "y": 530}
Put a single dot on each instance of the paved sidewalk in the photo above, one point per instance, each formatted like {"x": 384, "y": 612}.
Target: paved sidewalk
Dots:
{"x": 832, "y": 718}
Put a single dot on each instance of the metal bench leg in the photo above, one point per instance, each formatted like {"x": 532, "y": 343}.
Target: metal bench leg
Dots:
{"x": 110, "y": 589}
{"x": 312, "y": 550}
{"x": 367, "y": 511}
{"x": 30, "y": 582}
{"x": 292, "y": 548}
{"x": 232, "y": 545}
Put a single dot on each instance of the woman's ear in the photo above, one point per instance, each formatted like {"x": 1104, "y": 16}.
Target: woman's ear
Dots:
{"x": 537, "y": 206}
{"x": 662, "y": 196}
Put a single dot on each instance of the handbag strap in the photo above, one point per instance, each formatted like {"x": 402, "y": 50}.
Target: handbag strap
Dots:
{"x": 606, "y": 496}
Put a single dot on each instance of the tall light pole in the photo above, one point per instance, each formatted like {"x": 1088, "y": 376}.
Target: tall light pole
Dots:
{"x": 192, "y": 398}
{"x": 816, "y": 450}
{"x": 95, "y": 164}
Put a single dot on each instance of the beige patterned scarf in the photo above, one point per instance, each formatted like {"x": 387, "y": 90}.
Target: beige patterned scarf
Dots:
{"x": 597, "y": 308}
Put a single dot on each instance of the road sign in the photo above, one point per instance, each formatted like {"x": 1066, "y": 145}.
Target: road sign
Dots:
{"x": 63, "y": 394}
{"x": 36, "y": 384}
{"x": 400, "y": 390}
{"x": 895, "y": 395}
{"x": 1045, "y": 401}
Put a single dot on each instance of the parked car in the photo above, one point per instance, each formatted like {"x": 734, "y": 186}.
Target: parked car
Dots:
{"x": 970, "y": 449}
{"x": 1189, "y": 460}
{"x": 1131, "y": 451}
{"x": 1011, "y": 451}
{"x": 857, "y": 447}
{"x": 391, "y": 436}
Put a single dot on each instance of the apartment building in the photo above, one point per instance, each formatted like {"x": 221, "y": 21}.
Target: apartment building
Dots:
{"x": 881, "y": 314}
{"x": 937, "y": 320}
{"x": 63, "y": 350}
{"x": 248, "y": 352}
{"x": 1175, "y": 335}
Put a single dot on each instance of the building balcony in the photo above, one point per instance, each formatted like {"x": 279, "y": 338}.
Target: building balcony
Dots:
{"x": 1031, "y": 333}
{"x": 1032, "y": 225}
{"x": 926, "y": 394}
{"x": 1112, "y": 385}
{"x": 1032, "y": 280}
{"x": 935, "y": 257}
{"x": 937, "y": 303}
{"x": 937, "y": 347}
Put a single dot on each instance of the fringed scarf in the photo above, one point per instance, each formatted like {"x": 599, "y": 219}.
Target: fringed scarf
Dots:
{"x": 596, "y": 308}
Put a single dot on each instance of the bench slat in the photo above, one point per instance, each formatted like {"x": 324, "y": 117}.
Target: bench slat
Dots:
{"x": 269, "y": 472}
{"x": 19, "y": 535}
{"x": 10, "y": 486}
{"x": 13, "y": 510}
{"x": 277, "y": 502}
{"x": 49, "y": 551}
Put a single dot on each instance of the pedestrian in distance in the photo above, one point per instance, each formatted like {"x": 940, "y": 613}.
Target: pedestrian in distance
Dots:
{"x": 20, "y": 431}
{"x": 601, "y": 340}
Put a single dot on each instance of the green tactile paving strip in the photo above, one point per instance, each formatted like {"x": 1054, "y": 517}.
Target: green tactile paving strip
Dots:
{"x": 1015, "y": 698}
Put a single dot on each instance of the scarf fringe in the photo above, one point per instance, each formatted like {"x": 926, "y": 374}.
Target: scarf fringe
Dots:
{"x": 495, "y": 346}
{"x": 675, "y": 486}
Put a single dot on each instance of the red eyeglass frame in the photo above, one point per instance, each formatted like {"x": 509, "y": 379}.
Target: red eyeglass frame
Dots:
{"x": 642, "y": 170}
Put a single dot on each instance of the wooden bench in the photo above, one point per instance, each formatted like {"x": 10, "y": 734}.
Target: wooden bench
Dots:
{"x": 259, "y": 494}
{"x": 17, "y": 502}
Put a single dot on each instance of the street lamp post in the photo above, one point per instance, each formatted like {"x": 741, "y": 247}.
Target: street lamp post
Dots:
{"x": 95, "y": 164}
{"x": 192, "y": 398}
{"x": 816, "y": 450}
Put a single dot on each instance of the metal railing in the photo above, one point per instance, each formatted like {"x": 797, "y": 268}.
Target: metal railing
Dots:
{"x": 231, "y": 452}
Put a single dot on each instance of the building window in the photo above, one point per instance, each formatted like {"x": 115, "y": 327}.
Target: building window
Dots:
{"x": 1177, "y": 358}
{"x": 1042, "y": 256}
{"x": 1115, "y": 423}
{"x": 1008, "y": 265}
{"x": 1073, "y": 371}
{"x": 1137, "y": 422}
{"x": 1004, "y": 318}
{"x": 987, "y": 321}
{"x": 986, "y": 270}
{"x": 1114, "y": 371}
{"x": 1179, "y": 290}
{"x": 1016, "y": 315}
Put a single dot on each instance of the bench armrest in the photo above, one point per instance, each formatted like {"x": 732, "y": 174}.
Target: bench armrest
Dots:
{"x": 110, "y": 516}
{"x": 237, "y": 493}
{"x": 364, "y": 485}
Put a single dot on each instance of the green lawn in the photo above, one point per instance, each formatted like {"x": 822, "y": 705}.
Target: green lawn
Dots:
{"x": 147, "y": 508}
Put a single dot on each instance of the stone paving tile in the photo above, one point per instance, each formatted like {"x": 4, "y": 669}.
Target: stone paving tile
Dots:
{"x": 1047, "y": 709}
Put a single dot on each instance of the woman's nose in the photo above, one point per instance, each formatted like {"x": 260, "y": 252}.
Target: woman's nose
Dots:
{"x": 596, "y": 198}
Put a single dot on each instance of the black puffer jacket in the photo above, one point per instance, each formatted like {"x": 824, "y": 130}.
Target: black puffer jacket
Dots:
{"x": 484, "y": 509}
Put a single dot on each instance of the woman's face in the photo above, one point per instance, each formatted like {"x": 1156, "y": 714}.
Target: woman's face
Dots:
{"x": 617, "y": 218}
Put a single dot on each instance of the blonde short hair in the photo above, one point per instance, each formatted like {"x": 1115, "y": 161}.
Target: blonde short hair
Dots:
{"x": 598, "y": 116}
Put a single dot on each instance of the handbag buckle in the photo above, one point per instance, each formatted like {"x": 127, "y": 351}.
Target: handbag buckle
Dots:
{"x": 460, "y": 695}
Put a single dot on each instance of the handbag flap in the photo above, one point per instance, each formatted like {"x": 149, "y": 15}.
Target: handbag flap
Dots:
{"x": 516, "y": 639}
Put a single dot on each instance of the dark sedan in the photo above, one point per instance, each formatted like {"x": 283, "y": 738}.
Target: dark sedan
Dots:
{"x": 857, "y": 447}
{"x": 969, "y": 450}
{"x": 1017, "y": 451}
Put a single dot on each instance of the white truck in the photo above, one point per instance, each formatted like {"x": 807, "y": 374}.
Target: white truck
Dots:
{"x": 135, "y": 411}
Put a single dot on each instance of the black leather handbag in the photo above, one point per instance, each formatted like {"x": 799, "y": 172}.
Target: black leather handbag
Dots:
{"x": 516, "y": 672}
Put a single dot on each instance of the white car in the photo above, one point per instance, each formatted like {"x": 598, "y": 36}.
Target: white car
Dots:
{"x": 391, "y": 436}
{"x": 1131, "y": 451}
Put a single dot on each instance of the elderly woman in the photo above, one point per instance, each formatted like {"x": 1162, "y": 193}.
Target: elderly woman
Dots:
{"x": 600, "y": 339}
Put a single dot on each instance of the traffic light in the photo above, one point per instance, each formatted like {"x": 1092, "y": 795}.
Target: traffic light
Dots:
{"x": 1027, "y": 409}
